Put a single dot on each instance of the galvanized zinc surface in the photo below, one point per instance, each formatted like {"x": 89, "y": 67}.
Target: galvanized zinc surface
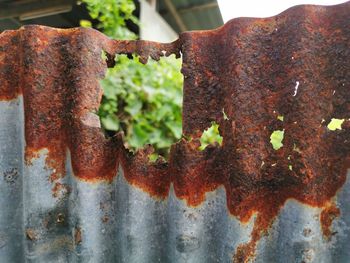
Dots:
{"x": 69, "y": 194}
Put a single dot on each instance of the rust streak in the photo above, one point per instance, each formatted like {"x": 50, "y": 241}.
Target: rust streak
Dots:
{"x": 77, "y": 236}
{"x": 328, "y": 214}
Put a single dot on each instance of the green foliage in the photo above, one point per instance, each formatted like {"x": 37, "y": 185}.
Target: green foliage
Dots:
{"x": 276, "y": 139}
{"x": 144, "y": 101}
{"x": 280, "y": 117}
{"x": 335, "y": 124}
{"x": 112, "y": 16}
{"x": 210, "y": 136}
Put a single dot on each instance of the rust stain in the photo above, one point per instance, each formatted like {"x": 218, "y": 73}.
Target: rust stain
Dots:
{"x": 31, "y": 234}
{"x": 9, "y": 52}
{"x": 60, "y": 190}
{"x": 77, "y": 236}
{"x": 105, "y": 219}
{"x": 295, "y": 65}
{"x": 328, "y": 214}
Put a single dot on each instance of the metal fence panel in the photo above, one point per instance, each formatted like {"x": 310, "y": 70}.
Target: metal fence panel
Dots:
{"x": 69, "y": 194}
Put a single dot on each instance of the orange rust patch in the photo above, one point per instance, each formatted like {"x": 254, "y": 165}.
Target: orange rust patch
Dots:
{"x": 31, "y": 234}
{"x": 77, "y": 236}
{"x": 245, "y": 252}
{"x": 9, "y": 53}
{"x": 60, "y": 190}
{"x": 245, "y": 67}
{"x": 328, "y": 214}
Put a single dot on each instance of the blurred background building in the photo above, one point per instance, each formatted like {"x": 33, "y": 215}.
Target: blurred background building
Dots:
{"x": 160, "y": 20}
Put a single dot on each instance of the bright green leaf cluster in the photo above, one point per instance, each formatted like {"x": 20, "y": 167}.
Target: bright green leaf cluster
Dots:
{"x": 210, "y": 136}
{"x": 144, "y": 101}
{"x": 112, "y": 15}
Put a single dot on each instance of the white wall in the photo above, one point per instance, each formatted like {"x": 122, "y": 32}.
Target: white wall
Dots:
{"x": 153, "y": 26}
{"x": 263, "y": 8}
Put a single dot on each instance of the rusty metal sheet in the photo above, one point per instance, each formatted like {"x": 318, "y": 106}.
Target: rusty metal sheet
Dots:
{"x": 69, "y": 194}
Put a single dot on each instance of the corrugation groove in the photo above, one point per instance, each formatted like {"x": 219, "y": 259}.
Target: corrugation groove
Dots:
{"x": 69, "y": 194}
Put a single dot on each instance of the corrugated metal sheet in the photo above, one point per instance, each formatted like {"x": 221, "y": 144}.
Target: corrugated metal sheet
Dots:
{"x": 68, "y": 194}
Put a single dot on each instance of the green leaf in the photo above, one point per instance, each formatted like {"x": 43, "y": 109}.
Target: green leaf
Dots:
{"x": 85, "y": 23}
{"x": 138, "y": 136}
{"x": 335, "y": 124}
{"x": 210, "y": 136}
{"x": 175, "y": 128}
{"x": 110, "y": 122}
{"x": 145, "y": 101}
{"x": 276, "y": 139}
{"x": 134, "y": 106}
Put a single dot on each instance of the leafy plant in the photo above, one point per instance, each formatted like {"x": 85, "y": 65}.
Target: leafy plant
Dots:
{"x": 112, "y": 16}
{"x": 144, "y": 101}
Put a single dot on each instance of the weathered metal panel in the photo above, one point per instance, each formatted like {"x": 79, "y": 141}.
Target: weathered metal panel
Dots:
{"x": 68, "y": 194}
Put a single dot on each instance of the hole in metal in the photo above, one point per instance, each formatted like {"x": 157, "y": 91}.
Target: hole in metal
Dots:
{"x": 211, "y": 136}
{"x": 144, "y": 102}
